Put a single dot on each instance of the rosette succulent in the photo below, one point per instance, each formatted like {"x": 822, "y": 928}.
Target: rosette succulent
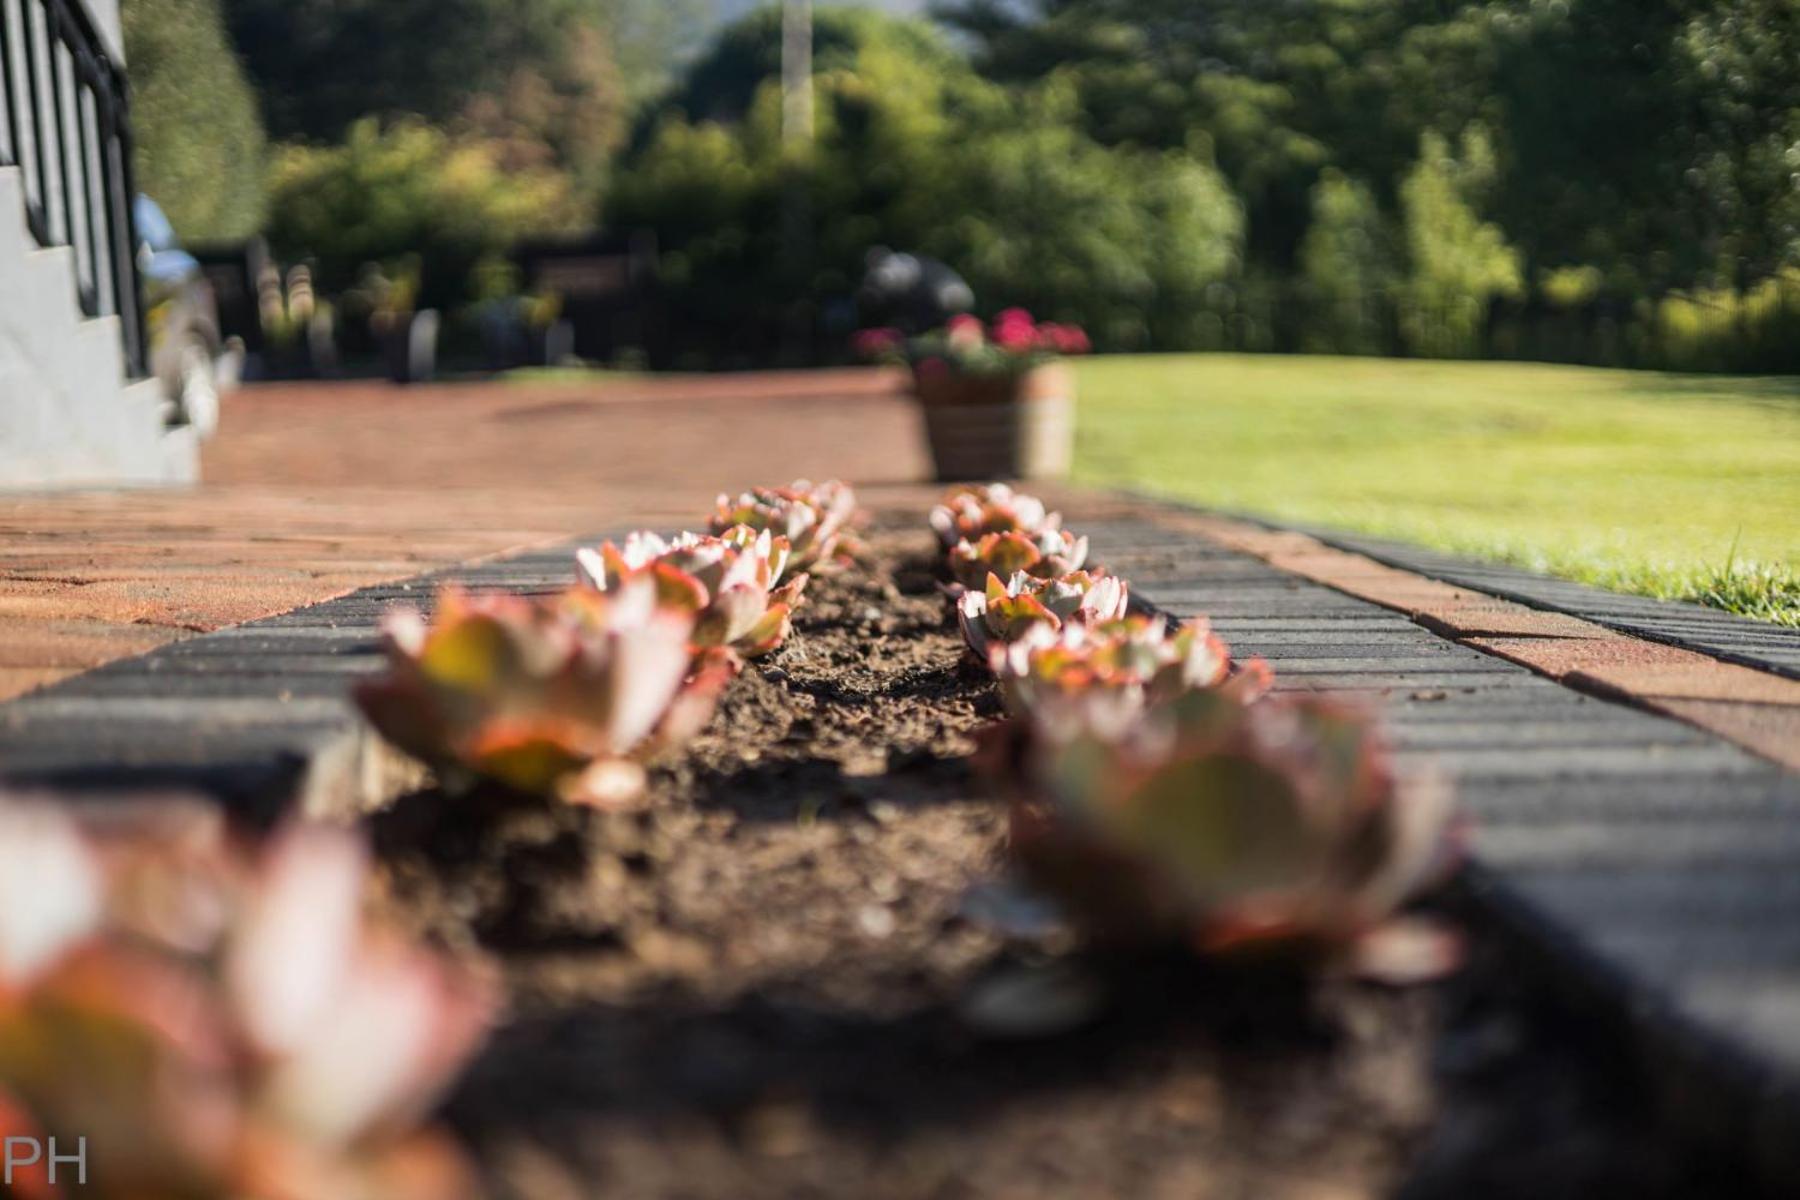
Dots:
{"x": 1109, "y": 673}
{"x": 1006, "y": 612}
{"x": 972, "y": 511}
{"x": 282, "y": 1047}
{"x": 1275, "y": 830}
{"x": 563, "y": 695}
{"x": 726, "y": 582}
{"x": 1045, "y": 553}
{"x": 814, "y": 518}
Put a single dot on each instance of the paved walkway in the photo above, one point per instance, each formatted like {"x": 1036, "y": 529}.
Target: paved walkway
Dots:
{"x": 1637, "y": 828}
{"x": 314, "y": 490}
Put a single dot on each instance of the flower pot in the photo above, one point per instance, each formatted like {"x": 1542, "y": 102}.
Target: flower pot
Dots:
{"x": 1000, "y": 426}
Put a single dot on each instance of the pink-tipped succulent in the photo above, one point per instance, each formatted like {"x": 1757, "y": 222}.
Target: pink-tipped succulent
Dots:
{"x": 726, "y": 582}
{"x": 290, "y": 1052}
{"x": 1045, "y": 553}
{"x": 814, "y": 518}
{"x": 970, "y": 512}
{"x": 1024, "y": 606}
{"x": 1271, "y": 831}
{"x": 1104, "y": 676}
{"x": 563, "y": 695}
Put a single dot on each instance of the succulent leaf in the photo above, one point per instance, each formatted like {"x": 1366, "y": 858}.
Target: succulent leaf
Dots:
{"x": 726, "y": 582}
{"x": 528, "y": 692}
{"x": 1274, "y": 828}
{"x": 1045, "y": 553}
{"x": 1026, "y": 608}
{"x": 814, "y": 519}
{"x": 973, "y": 511}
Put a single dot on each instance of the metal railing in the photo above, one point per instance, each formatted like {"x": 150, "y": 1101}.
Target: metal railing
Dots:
{"x": 67, "y": 128}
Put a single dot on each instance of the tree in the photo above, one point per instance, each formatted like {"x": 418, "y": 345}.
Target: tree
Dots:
{"x": 408, "y": 189}
{"x": 540, "y": 73}
{"x": 1457, "y": 262}
{"x": 1348, "y": 269}
{"x": 199, "y": 140}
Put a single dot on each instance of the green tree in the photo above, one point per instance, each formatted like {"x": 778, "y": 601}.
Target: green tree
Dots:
{"x": 916, "y": 151}
{"x": 405, "y": 189}
{"x": 200, "y": 144}
{"x": 1457, "y": 262}
{"x": 1348, "y": 270}
{"x": 537, "y": 74}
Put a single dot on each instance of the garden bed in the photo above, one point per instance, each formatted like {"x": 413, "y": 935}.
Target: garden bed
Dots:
{"x": 761, "y": 983}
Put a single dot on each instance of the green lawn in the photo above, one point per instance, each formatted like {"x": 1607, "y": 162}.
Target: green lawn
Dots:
{"x": 1669, "y": 485}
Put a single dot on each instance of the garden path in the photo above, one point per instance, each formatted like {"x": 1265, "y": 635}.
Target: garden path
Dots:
{"x": 1635, "y": 800}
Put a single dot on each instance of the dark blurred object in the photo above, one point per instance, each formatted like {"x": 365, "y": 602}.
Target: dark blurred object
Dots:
{"x": 186, "y": 346}
{"x": 607, "y": 292}
{"x": 910, "y": 293}
{"x": 232, "y": 268}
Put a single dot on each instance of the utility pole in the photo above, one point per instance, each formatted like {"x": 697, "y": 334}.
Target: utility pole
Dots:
{"x": 797, "y": 130}
{"x": 797, "y": 73}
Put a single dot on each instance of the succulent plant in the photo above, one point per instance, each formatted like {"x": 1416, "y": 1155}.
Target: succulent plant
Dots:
{"x": 970, "y": 512}
{"x": 814, "y": 518}
{"x": 563, "y": 695}
{"x": 288, "y": 1053}
{"x": 1272, "y": 830}
{"x": 1046, "y": 553}
{"x": 1006, "y": 612}
{"x": 1107, "y": 674}
{"x": 726, "y": 582}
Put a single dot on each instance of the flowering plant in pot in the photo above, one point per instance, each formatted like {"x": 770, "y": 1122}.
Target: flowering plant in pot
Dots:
{"x": 997, "y": 399}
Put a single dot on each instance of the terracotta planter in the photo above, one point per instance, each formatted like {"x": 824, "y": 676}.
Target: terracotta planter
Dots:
{"x": 1000, "y": 427}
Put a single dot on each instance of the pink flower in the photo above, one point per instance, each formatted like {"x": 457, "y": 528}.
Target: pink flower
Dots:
{"x": 1063, "y": 339}
{"x": 1014, "y": 330}
{"x": 876, "y": 343}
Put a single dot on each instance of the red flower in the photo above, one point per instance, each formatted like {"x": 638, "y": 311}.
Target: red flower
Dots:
{"x": 876, "y": 343}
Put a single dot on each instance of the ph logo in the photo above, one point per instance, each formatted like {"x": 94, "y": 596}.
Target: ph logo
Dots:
{"x": 22, "y": 1152}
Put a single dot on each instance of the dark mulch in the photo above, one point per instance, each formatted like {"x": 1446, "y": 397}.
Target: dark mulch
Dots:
{"x": 755, "y": 987}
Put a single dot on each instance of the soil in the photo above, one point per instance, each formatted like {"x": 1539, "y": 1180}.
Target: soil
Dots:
{"x": 763, "y": 984}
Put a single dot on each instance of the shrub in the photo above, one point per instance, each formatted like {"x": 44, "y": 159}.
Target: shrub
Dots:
{"x": 391, "y": 191}
{"x": 199, "y": 138}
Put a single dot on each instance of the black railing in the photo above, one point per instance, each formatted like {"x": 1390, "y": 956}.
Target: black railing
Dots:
{"x": 68, "y": 129}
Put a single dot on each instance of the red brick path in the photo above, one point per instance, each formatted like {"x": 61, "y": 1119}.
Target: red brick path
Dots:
{"x": 313, "y": 490}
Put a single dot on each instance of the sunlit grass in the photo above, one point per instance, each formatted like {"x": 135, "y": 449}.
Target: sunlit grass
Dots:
{"x": 1678, "y": 486}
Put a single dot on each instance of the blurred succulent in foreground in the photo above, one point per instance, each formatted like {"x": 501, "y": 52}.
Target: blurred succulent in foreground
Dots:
{"x": 283, "y": 1049}
{"x": 814, "y": 518}
{"x": 972, "y": 511}
{"x": 1274, "y": 830}
{"x": 1006, "y": 612}
{"x": 1103, "y": 676}
{"x": 1046, "y": 554}
{"x": 563, "y": 695}
{"x": 726, "y": 582}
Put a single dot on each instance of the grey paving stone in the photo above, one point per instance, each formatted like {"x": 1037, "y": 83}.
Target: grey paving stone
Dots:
{"x": 1654, "y": 865}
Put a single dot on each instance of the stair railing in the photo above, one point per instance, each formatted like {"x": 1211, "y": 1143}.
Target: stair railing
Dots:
{"x": 67, "y": 128}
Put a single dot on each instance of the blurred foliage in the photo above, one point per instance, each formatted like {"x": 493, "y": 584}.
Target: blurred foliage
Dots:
{"x": 916, "y": 151}
{"x": 1456, "y": 261}
{"x": 409, "y": 191}
{"x": 199, "y": 140}
{"x": 536, "y": 76}
{"x": 1651, "y": 145}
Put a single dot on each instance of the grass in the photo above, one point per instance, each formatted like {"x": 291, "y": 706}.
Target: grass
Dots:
{"x": 1677, "y": 486}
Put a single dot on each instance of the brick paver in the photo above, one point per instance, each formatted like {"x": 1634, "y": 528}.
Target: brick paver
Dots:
{"x": 316, "y": 489}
